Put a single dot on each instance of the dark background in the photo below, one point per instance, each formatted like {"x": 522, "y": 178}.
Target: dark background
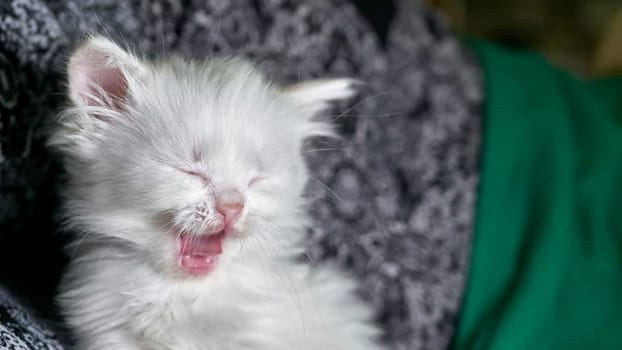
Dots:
{"x": 584, "y": 36}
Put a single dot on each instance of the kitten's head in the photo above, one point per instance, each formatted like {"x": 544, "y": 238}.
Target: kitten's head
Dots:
{"x": 178, "y": 158}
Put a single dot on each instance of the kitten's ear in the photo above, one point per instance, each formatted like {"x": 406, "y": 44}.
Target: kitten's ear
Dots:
{"x": 101, "y": 77}
{"x": 100, "y": 74}
{"x": 314, "y": 96}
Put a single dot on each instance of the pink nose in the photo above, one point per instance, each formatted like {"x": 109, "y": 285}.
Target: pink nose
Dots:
{"x": 229, "y": 204}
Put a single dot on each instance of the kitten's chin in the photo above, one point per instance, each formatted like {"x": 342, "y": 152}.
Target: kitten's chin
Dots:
{"x": 197, "y": 255}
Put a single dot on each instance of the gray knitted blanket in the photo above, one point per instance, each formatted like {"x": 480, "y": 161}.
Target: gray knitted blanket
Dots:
{"x": 392, "y": 201}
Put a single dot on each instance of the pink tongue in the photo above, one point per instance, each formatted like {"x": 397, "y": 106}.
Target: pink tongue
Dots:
{"x": 197, "y": 254}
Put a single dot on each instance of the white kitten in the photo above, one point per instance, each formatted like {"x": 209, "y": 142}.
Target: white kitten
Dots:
{"x": 185, "y": 180}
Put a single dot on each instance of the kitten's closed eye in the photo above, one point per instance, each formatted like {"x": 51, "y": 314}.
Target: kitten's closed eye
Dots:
{"x": 252, "y": 182}
{"x": 255, "y": 180}
{"x": 196, "y": 174}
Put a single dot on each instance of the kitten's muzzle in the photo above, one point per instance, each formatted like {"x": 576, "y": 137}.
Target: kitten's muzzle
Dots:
{"x": 198, "y": 250}
{"x": 229, "y": 205}
{"x": 218, "y": 214}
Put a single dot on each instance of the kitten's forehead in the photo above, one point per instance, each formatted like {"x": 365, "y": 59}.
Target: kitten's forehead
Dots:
{"x": 230, "y": 85}
{"x": 215, "y": 107}
{"x": 218, "y": 91}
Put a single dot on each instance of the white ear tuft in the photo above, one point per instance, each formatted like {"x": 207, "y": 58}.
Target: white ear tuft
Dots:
{"x": 100, "y": 77}
{"x": 99, "y": 74}
{"x": 316, "y": 95}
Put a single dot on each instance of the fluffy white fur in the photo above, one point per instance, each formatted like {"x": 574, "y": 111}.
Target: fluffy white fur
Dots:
{"x": 136, "y": 133}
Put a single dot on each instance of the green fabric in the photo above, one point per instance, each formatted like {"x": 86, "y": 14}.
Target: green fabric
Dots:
{"x": 546, "y": 265}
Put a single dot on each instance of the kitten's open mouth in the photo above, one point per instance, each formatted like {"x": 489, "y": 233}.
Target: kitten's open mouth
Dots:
{"x": 197, "y": 254}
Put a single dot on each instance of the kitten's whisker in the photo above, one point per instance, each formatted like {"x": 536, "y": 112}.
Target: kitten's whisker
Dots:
{"x": 278, "y": 240}
{"x": 364, "y": 100}
{"x": 76, "y": 246}
{"x": 321, "y": 150}
{"x": 327, "y": 189}
{"x": 363, "y": 116}
{"x": 167, "y": 225}
{"x": 290, "y": 279}
{"x": 210, "y": 52}
{"x": 243, "y": 241}
{"x": 310, "y": 200}
{"x": 267, "y": 257}
{"x": 305, "y": 253}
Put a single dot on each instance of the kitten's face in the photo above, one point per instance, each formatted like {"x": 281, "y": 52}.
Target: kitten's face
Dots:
{"x": 182, "y": 159}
